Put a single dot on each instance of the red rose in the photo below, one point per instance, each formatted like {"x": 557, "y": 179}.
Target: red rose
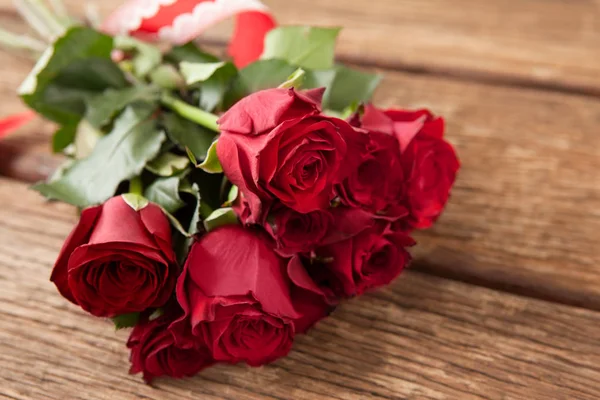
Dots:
{"x": 274, "y": 144}
{"x": 296, "y": 232}
{"x": 154, "y": 352}
{"x": 236, "y": 297}
{"x": 429, "y": 163}
{"x": 117, "y": 260}
{"x": 371, "y": 259}
{"x": 378, "y": 182}
{"x": 310, "y": 301}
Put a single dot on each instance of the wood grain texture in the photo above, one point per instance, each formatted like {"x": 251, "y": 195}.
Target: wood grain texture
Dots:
{"x": 550, "y": 43}
{"x": 422, "y": 338}
{"x": 524, "y": 215}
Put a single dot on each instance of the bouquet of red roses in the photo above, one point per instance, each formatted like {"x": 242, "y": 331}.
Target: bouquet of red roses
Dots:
{"x": 227, "y": 207}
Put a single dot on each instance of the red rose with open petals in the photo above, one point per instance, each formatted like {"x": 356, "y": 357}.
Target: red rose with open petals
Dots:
{"x": 274, "y": 145}
{"x": 236, "y": 297}
{"x": 429, "y": 163}
{"x": 155, "y": 354}
{"x": 371, "y": 259}
{"x": 378, "y": 182}
{"x": 296, "y": 232}
{"x": 310, "y": 301}
{"x": 117, "y": 260}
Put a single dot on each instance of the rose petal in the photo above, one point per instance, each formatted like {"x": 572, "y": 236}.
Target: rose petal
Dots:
{"x": 78, "y": 236}
{"x": 234, "y": 261}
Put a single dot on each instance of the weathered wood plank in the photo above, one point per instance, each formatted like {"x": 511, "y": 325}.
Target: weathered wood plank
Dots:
{"x": 422, "y": 338}
{"x": 549, "y": 43}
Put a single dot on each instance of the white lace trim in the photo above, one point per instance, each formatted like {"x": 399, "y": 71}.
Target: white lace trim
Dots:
{"x": 188, "y": 26}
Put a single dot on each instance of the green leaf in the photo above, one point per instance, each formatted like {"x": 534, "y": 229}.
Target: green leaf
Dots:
{"x": 232, "y": 195}
{"x": 64, "y": 135}
{"x": 191, "y": 53}
{"x": 350, "y": 86}
{"x": 317, "y": 79}
{"x": 215, "y": 79}
{"x": 76, "y": 66}
{"x": 263, "y": 74}
{"x": 165, "y": 192}
{"x": 118, "y": 156}
{"x": 295, "y": 80}
{"x": 199, "y": 72}
{"x": 196, "y": 217}
{"x": 167, "y": 77}
{"x": 191, "y": 156}
{"x": 126, "y": 320}
{"x": 220, "y": 217}
{"x": 211, "y": 163}
{"x": 215, "y": 90}
{"x": 302, "y": 46}
{"x": 187, "y": 134}
{"x": 86, "y": 139}
{"x": 101, "y": 108}
{"x": 135, "y": 201}
{"x": 167, "y": 164}
{"x": 159, "y": 312}
{"x": 147, "y": 56}
{"x": 175, "y": 223}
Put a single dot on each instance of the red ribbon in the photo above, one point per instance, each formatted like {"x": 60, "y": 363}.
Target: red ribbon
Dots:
{"x": 14, "y": 122}
{"x": 180, "y": 21}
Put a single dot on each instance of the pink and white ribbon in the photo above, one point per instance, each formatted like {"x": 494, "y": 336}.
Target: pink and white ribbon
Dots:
{"x": 180, "y": 21}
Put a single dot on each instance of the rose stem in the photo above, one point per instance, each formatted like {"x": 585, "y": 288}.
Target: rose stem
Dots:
{"x": 135, "y": 186}
{"x": 192, "y": 113}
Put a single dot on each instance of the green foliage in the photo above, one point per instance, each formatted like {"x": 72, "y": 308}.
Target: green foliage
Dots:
{"x": 126, "y": 320}
{"x": 263, "y": 74}
{"x": 295, "y": 80}
{"x": 191, "y": 53}
{"x": 64, "y": 135}
{"x": 303, "y": 46}
{"x": 211, "y": 163}
{"x": 135, "y": 201}
{"x": 118, "y": 156}
{"x": 188, "y": 135}
{"x": 165, "y": 192}
{"x": 167, "y": 164}
{"x": 77, "y": 66}
{"x": 102, "y": 107}
{"x": 146, "y": 57}
{"x": 345, "y": 86}
{"x": 348, "y": 87}
{"x": 214, "y": 80}
{"x": 220, "y": 217}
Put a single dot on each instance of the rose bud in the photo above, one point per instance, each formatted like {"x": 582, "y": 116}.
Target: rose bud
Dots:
{"x": 371, "y": 259}
{"x": 429, "y": 163}
{"x": 236, "y": 297}
{"x": 275, "y": 145}
{"x": 154, "y": 352}
{"x": 117, "y": 260}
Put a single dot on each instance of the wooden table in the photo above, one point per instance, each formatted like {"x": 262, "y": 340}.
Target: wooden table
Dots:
{"x": 503, "y": 299}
